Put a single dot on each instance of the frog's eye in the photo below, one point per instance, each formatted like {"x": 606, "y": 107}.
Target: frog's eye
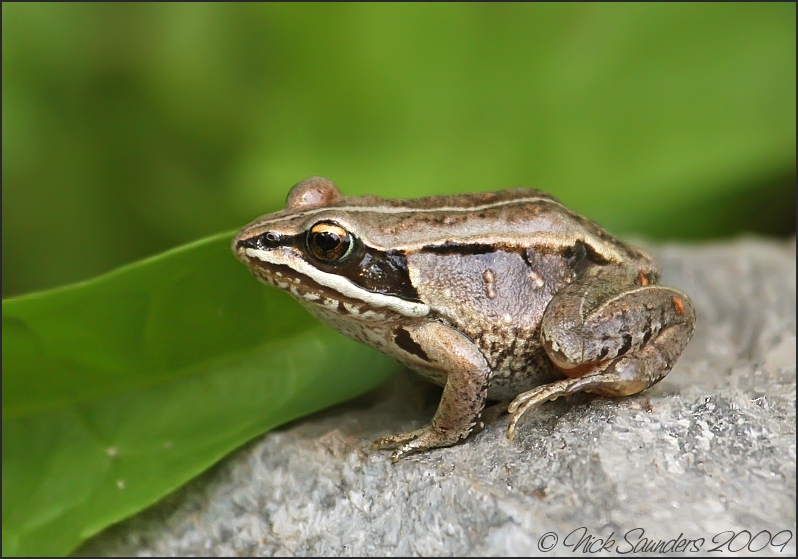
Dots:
{"x": 329, "y": 242}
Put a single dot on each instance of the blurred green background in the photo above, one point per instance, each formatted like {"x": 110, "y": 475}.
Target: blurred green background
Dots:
{"x": 132, "y": 128}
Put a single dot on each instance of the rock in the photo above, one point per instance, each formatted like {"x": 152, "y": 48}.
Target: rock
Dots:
{"x": 705, "y": 457}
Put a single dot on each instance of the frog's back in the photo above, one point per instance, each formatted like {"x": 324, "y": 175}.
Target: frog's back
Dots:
{"x": 527, "y": 217}
{"x": 515, "y": 220}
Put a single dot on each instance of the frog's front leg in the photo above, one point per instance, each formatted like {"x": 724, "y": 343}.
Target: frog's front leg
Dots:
{"x": 464, "y": 394}
{"x": 612, "y": 334}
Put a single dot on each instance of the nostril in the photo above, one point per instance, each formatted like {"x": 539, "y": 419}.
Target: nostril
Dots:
{"x": 252, "y": 242}
{"x": 270, "y": 239}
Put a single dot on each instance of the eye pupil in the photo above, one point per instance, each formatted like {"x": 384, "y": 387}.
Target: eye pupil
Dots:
{"x": 326, "y": 241}
{"x": 329, "y": 242}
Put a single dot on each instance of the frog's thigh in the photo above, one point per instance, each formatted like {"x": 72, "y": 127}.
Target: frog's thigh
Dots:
{"x": 610, "y": 341}
{"x": 464, "y": 394}
{"x": 592, "y": 323}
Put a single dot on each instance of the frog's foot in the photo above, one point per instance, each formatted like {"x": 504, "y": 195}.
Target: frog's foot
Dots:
{"x": 624, "y": 376}
{"x": 549, "y": 392}
{"x": 419, "y": 440}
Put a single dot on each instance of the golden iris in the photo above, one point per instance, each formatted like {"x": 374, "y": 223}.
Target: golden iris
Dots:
{"x": 328, "y": 241}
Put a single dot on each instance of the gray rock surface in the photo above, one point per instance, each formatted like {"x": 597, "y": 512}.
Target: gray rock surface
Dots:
{"x": 709, "y": 453}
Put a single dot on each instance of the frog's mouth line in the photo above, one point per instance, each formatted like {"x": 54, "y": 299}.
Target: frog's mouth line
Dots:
{"x": 297, "y": 272}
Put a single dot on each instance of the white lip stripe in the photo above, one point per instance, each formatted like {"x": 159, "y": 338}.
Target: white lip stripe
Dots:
{"x": 399, "y": 210}
{"x": 339, "y": 284}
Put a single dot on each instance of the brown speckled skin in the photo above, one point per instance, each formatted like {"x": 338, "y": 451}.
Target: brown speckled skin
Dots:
{"x": 510, "y": 291}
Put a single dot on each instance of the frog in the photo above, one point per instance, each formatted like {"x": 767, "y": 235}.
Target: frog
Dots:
{"x": 505, "y": 296}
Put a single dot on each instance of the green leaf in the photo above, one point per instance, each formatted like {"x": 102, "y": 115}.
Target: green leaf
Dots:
{"x": 118, "y": 390}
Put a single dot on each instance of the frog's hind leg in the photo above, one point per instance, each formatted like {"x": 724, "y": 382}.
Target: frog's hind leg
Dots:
{"x": 611, "y": 337}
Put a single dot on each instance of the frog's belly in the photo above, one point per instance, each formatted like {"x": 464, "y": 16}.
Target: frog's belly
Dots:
{"x": 516, "y": 374}
{"x": 517, "y": 360}
{"x": 512, "y": 373}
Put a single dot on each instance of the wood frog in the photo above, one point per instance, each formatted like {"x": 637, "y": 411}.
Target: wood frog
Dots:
{"x": 506, "y": 296}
